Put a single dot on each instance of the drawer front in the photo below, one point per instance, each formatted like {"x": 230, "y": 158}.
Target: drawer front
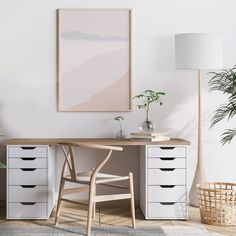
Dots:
{"x": 27, "y": 162}
{"x": 164, "y": 162}
{"x": 19, "y": 210}
{"x": 27, "y": 151}
{"x": 27, "y": 176}
{"x": 166, "y": 151}
{"x": 27, "y": 193}
{"x": 166, "y": 193}
{"x": 167, "y": 210}
{"x": 166, "y": 176}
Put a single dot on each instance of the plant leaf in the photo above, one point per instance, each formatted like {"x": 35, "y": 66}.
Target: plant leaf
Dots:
{"x": 228, "y": 135}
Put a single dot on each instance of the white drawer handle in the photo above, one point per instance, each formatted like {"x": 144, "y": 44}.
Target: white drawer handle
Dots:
{"x": 167, "y": 159}
{"x": 28, "y": 186}
{"x": 28, "y": 169}
{"x": 27, "y": 159}
{"x": 167, "y": 169}
{"x": 168, "y": 148}
{"x": 28, "y": 203}
{"x": 28, "y": 148}
{"x": 167, "y": 186}
{"x": 167, "y": 203}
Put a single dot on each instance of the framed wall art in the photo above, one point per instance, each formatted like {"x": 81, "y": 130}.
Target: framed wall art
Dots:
{"x": 94, "y": 60}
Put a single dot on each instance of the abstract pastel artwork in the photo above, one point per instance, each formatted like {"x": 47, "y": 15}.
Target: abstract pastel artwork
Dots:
{"x": 94, "y": 60}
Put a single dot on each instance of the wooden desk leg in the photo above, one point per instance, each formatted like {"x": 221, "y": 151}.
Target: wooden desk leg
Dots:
{"x": 132, "y": 198}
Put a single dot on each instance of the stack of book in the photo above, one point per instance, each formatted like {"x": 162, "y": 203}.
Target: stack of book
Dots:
{"x": 150, "y": 136}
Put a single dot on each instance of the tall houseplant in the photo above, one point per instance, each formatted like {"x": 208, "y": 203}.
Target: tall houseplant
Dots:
{"x": 225, "y": 82}
{"x": 147, "y": 98}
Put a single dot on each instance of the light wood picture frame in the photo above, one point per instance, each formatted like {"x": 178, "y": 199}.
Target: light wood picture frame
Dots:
{"x": 94, "y": 60}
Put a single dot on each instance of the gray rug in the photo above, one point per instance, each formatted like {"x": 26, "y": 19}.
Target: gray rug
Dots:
{"x": 36, "y": 230}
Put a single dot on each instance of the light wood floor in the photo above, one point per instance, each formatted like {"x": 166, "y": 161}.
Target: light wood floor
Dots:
{"x": 116, "y": 213}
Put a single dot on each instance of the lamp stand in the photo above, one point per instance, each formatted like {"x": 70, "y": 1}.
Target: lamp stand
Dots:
{"x": 200, "y": 176}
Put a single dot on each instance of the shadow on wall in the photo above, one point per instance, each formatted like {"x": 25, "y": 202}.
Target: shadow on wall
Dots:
{"x": 182, "y": 121}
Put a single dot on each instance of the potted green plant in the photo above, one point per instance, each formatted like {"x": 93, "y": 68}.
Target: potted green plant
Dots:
{"x": 121, "y": 133}
{"x": 147, "y": 98}
{"x": 225, "y": 82}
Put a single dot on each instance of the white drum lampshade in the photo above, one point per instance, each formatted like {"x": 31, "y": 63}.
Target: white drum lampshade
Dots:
{"x": 198, "y": 51}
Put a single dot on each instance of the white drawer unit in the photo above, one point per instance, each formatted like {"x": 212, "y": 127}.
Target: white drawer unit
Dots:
{"x": 27, "y": 162}
{"x": 27, "y": 151}
{"x": 164, "y": 162}
{"x": 30, "y": 181}
{"x": 166, "y": 151}
{"x": 27, "y": 176}
{"x": 168, "y": 176}
{"x": 163, "y": 181}
{"x": 169, "y": 193}
{"x": 27, "y": 193}
{"x": 27, "y": 210}
{"x": 167, "y": 210}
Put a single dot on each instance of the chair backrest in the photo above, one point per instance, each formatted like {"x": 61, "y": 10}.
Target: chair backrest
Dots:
{"x": 70, "y": 162}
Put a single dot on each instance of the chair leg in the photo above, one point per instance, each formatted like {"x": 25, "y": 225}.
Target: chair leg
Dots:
{"x": 132, "y": 198}
{"x": 90, "y": 210}
{"x": 94, "y": 206}
{"x": 59, "y": 202}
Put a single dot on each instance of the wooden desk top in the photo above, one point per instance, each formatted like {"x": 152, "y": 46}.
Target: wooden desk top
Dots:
{"x": 104, "y": 141}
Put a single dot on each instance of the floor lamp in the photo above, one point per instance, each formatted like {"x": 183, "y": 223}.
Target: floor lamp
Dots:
{"x": 198, "y": 51}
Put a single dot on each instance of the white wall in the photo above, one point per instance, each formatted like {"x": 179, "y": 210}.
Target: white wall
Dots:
{"x": 28, "y": 75}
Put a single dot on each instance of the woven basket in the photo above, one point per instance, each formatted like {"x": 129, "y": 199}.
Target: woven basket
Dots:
{"x": 217, "y": 203}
